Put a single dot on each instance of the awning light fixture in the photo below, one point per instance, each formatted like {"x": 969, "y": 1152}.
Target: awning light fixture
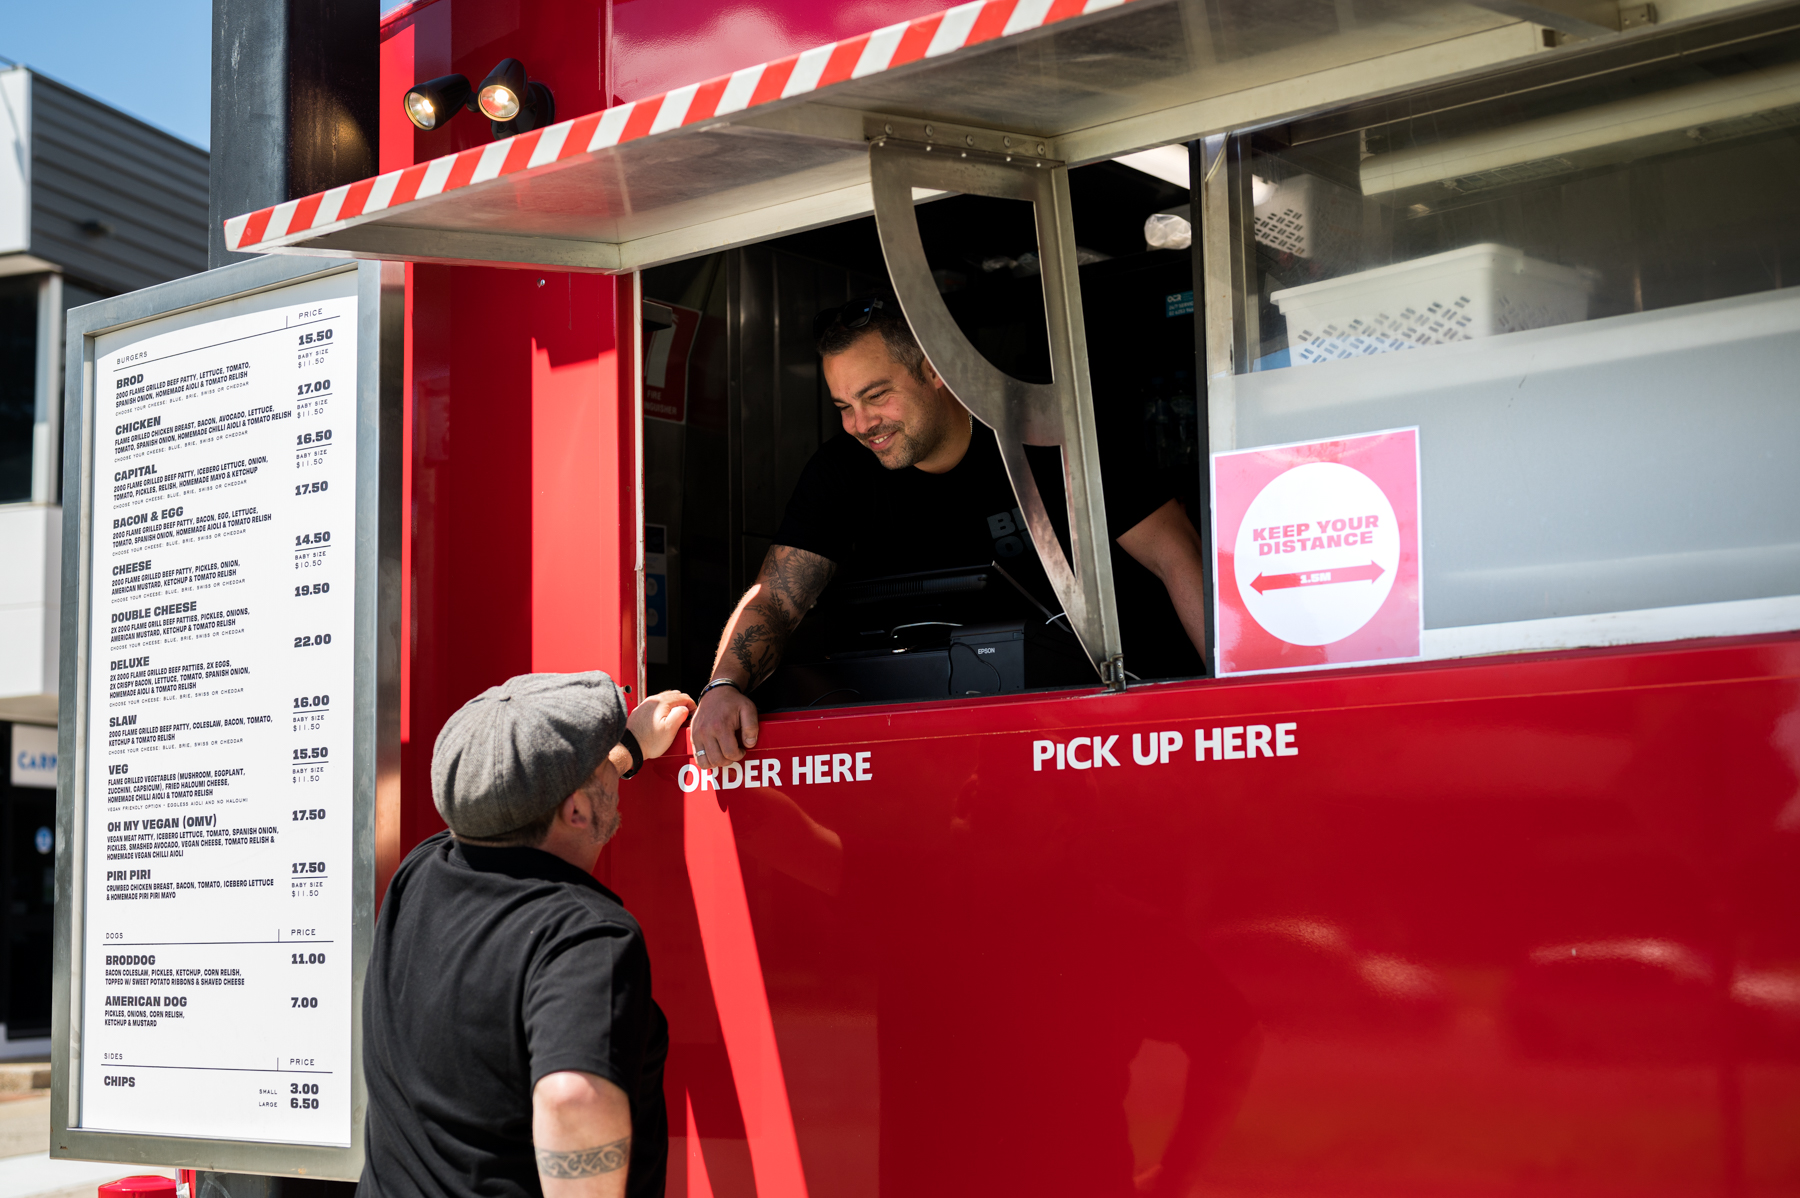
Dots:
{"x": 514, "y": 103}
{"x": 435, "y": 101}
{"x": 509, "y": 99}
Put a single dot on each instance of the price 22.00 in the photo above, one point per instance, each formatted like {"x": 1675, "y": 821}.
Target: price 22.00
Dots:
{"x": 315, "y": 639}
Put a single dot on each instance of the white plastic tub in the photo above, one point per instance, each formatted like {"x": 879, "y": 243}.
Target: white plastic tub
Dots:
{"x": 1476, "y": 291}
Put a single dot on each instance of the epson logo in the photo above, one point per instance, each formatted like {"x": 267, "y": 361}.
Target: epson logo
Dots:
{"x": 113, "y": 1079}
{"x": 129, "y": 959}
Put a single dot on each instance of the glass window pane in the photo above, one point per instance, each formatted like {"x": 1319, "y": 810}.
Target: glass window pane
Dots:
{"x": 1577, "y": 294}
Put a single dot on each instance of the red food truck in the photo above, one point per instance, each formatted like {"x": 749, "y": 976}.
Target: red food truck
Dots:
{"x": 1468, "y": 859}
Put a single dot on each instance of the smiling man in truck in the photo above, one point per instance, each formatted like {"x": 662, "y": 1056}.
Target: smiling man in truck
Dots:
{"x": 914, "y": 484}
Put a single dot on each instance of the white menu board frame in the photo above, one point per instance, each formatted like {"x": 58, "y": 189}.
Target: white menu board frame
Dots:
{"x": 132, "y": 761}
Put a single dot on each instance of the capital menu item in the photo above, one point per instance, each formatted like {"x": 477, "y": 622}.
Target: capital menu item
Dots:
{"x": 217, "y": 899}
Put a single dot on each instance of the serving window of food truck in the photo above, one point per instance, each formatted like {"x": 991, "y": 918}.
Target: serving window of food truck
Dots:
{"x": 1460, "y": 334}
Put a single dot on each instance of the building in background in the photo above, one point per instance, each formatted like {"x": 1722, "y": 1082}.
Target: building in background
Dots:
{"x": 93, "y": 203}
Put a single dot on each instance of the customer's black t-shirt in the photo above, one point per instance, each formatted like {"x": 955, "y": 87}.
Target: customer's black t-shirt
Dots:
{"x": 493, "y": 967}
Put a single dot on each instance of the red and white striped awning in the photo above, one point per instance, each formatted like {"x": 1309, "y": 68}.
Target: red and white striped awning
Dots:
{"x": 783, "y": 146}
{"x": 945, "y": 33}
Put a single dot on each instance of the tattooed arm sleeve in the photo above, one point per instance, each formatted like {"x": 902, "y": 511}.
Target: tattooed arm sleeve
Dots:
{"x": 790, "y": 582}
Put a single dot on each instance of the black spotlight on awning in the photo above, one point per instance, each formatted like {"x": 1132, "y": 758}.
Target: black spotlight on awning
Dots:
{"x": 514, "y": 103}
{"x": 430, "y": 104}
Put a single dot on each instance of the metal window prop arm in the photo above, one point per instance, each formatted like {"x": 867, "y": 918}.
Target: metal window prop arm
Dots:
{"x": 1059, "y": 413}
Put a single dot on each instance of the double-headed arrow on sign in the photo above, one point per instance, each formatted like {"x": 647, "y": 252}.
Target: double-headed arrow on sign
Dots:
{"x": 1314, "y": 578}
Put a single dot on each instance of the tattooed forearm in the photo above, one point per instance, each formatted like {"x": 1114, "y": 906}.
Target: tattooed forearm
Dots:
{"x": 753, "y": 641}
{"x": 787, "y": 586}
{"x": 585, "y": 1162}
{"x": 796, "y": 578}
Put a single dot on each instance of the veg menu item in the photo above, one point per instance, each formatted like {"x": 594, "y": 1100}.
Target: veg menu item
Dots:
{"x": 216, "y": 967}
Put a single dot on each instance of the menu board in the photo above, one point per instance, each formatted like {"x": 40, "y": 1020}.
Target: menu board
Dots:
{"x": 217, "y": 980}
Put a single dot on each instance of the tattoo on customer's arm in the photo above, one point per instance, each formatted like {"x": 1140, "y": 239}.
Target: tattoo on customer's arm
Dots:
{"x": 585, "y": 1162}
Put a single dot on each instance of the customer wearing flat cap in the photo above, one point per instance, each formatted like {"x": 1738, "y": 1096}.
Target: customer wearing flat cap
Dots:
{"x": 510, "y": 1043}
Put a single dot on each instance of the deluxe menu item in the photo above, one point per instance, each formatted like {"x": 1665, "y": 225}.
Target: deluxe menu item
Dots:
{"x": 216, "y": 967}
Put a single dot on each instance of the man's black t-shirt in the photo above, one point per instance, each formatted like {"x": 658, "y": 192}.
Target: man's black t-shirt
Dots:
{"x": 493, "y": 967}
{"x": 875, "y": 522}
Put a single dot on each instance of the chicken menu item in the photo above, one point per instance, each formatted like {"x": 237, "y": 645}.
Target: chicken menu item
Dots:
{"x": 216, "y": 976}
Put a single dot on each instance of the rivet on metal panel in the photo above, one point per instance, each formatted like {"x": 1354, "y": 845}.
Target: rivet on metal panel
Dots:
{"x": 930, "y": 132}
{"x": 1637, "y": 16}
{"x": 888, "y": 128}
{"x": 969, "y": 139}
{"x": 1007, "y": 142}
{"x": 1040, "y": 149}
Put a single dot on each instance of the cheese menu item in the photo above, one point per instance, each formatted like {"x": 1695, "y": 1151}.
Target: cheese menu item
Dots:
{"x": 219, "y": 809}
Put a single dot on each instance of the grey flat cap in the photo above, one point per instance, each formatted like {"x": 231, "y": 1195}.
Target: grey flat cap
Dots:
{"x": 514, "y": 752}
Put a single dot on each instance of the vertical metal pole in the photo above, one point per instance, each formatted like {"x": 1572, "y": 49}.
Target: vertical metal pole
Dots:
{"x": 295, "y": 88}
{"x": 741, "y": 573}
{"x": 1202, "y": 409}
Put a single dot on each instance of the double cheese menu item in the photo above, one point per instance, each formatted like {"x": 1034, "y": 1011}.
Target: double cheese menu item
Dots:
{"x": 216, "y": 979}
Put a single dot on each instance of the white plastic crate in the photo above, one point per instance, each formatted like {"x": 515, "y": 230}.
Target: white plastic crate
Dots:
{"x": 1309, "y": 217}
{"x": 1476, "y": 291}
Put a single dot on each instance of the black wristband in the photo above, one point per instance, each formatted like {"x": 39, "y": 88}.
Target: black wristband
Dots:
{"x": 630, "y": 745}
{"x": 715, "y": 684}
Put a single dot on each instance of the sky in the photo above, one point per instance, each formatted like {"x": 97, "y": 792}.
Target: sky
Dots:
{"x": 150, "y": 58}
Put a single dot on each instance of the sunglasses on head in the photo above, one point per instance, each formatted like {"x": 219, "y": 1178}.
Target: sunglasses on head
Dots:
{"x": 853, "y": 315}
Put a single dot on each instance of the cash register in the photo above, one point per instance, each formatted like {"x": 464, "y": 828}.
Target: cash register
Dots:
{"x": 937, "y": 634}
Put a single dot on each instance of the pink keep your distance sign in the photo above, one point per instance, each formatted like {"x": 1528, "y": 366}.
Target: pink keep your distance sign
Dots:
{"x": 1316, "y": 553}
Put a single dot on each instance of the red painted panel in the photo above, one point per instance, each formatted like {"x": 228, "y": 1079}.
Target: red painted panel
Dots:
{"x": 520, "y": 455}
{"x": 658, "y": 46}
{"x": 1521, "y": 924}
{"x": 559, "y": 41}
{"x": 584, "y": 523}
